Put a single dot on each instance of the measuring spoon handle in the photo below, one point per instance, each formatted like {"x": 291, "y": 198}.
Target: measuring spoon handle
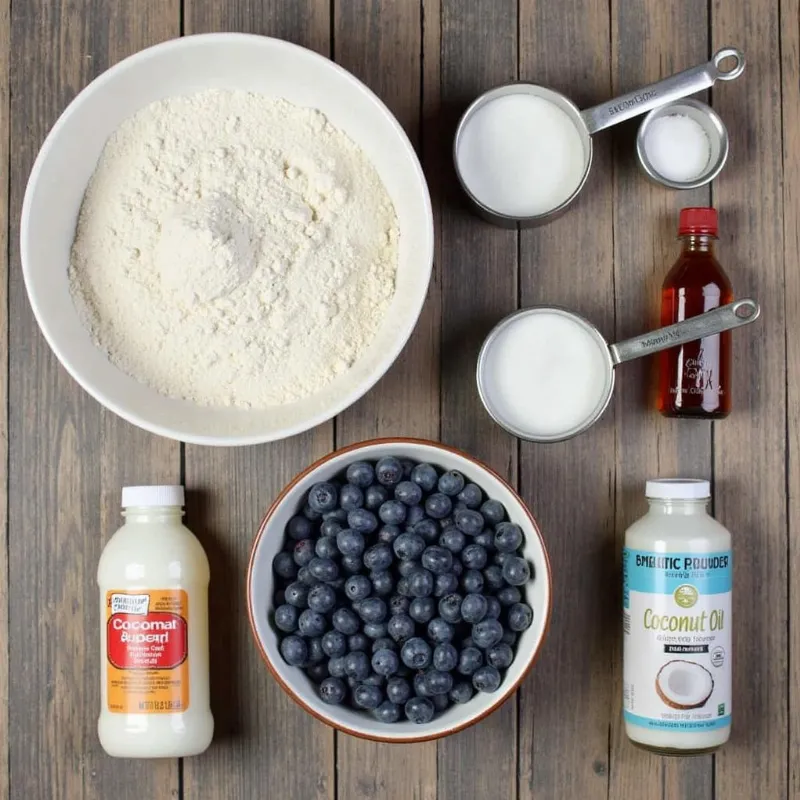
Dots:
{"x": 675, "y": 87}
{"x": 733, "y": 315}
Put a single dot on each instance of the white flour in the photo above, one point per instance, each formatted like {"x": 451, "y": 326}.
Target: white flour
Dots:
{"x": 233, "y": 250}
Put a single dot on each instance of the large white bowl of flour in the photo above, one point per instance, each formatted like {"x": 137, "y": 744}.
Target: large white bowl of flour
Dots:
{"x": 55, "y": 193}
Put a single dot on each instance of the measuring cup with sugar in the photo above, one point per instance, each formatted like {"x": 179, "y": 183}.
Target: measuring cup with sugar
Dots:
{"x": 522, "y": 152}
{"x": 546, "y": 374}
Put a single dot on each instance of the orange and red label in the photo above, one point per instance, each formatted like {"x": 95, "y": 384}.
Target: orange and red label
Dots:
{"x": 147, "y": 651}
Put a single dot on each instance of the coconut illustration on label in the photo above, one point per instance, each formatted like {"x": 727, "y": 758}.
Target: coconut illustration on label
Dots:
{"x": 684, "y": 684}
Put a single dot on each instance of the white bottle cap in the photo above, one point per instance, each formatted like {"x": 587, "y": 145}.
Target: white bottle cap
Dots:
{"x": 142, "y": 496}
{"x": 678, "y": 489}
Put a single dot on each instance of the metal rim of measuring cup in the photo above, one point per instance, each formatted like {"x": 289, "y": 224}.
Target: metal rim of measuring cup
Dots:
{"x": 481, "y": 381}
{"x": 709, "y": 174}
{"x": 560, "y": 100}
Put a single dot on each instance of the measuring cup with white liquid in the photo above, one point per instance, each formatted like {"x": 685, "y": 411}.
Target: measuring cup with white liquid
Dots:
{"x": 522, "y": 152}
{"x": 546, "y": 374}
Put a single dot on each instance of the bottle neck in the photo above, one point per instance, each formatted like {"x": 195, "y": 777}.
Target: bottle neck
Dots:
{"x": 698, "y": 243}
{"x": 140, "y": 514}
{"x": 677, "y": 508}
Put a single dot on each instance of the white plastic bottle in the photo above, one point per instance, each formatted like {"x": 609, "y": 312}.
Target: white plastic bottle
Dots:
{"x": 677, "y": 571}
{"x": 153, "y": 577}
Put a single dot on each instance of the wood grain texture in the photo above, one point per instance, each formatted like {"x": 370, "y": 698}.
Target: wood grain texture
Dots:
{"x": 263, "y": 742}
{"x": 564, "y": 705}
{"x": 649, "y": 41}
{"x": 479, "y": 286}
{"x": 750, "y": 447}
{"x": 70, "y": 458}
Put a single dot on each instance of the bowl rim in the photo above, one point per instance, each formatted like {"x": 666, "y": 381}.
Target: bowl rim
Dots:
{"x": 234, "y": 439}
{"x": 396, "y": 441}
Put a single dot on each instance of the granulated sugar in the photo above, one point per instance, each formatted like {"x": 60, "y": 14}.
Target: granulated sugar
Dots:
{"x": 234, "y": 250}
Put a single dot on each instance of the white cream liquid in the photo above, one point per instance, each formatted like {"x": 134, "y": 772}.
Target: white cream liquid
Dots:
{"x": 521, "y": 155}
{"x": 544, "y": 374}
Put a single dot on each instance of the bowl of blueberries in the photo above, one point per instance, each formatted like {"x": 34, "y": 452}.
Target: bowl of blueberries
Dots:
{"x": 399, "y": 590}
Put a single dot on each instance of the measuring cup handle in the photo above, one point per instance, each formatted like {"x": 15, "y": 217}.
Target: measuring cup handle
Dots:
{"x": 733, "y": 315}
{"x": 688, "y": 82}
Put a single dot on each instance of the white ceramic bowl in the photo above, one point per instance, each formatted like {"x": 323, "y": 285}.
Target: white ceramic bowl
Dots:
{"x": 260, "y": 586}
{"x": 68, "y": 158}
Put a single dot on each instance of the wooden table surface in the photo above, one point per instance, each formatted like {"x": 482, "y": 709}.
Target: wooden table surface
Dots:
{"x": 561, "y": 736}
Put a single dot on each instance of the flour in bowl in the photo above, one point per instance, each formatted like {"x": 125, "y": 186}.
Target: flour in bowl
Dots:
{"x": 234, "y": 249}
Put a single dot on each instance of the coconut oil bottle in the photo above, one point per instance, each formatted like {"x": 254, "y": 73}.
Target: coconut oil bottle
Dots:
{"x": 677, "y": 571}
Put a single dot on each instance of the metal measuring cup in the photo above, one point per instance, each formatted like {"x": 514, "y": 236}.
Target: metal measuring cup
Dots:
{"x": 595, "y": 119}
{"x": 724, "y": 318}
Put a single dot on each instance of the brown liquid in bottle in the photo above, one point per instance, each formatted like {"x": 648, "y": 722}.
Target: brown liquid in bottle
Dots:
{"x": 695, "y": 378}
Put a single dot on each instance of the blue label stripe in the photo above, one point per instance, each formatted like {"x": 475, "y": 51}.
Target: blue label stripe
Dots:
{"x": 662, "y": 579}
{"x": 678, "y": 725}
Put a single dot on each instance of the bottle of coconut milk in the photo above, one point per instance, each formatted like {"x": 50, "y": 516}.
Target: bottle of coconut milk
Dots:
{"x": 677, "y": 571}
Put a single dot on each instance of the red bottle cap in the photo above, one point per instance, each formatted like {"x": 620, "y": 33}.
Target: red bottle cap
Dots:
{"x": 697, "y": 221}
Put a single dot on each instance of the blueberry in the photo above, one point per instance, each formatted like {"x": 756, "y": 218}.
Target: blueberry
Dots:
{"x": 474, "y": 557}
{"x": 470, "y": 659}
{"x": 337, "y": 515}
{"x": 353, "y": 564}
{"x": 445, "y": 657}
{"x": 334, "y": 644}
{"x": 387, "y": 712}
{"x": 361, "y": 520}
{"x": 445, "y": 584}
{"x": 385, "y": 662}
{"x": 389, "y": 471}
{"x": 366, "y": 696}
{"x": 388, "y": 533}
{"x": 474, "y": 608}
{"x": 486, "y": 679}
{"x": 486, "y": 633}
{"x": 382, "y": 582}
{"x": 461, "y": 692}
{"x": 472, "y": 581}
{"x": 467, "y": 643}
{"x": 408, "y": 493}
{"x": 500, "y": 656}
{"x": 345, "y": 621}
{"x": 408, "y": 465}
{"x": 428, "y": 530}
{"x": 373, "y": 609}
{"x": 351, "y": 497}
{"x": 422, "y": 609}
{"x": 441, "y": 701}
{"x": 316, "y": 655}
{"x": 440, "y": 630}
{"x": 416, "y": 653}
{"x": 325, "y": 547}
{"x": 350, "y": 542}
{"x": 520, "y": 617}
{"x": 284, "y": 566}
{"x": 356, "y": 665}
{"x": 378, "y": 557}
{"x": 469, "y": 522}
{"x": 419, "y": 710}
{"x": 486, "y": 540}
{"x": 330, "y": 527}
{"x": 438, "y": 682}
{"x": 303, "y": 552}
{"x": 312, "y": 623}
{"x": 332, "y": 691}
{"x": 294, "y": 651}
{"x": 306, "y": 578}
{"x": 311, "y": 514}
{"x": 299, "y": 528}
{"x": 415, "y": 515}
{"x": 420, "y": 582}
{"x": 399, "y": 604}
{"x": 401, "y": 627}
{"x": 323, "y": 497}
{"x": 317, "y": 672}
{"x": 375, "y": 630}
{"x": 409, "y": 546}
{"x": 493, "y": 575}
{"x": 352, "y": 682}
{"x": 501, "y": 558}
{"x": 471, "y": 496}
{"x": 398, "y": 690}
{"x": 421, "y": 685}
{"x": 425, "y": 476}
{"x": 451, "y": 483}
{"x": 453, "y": 540}
{"x": 360, "y": 473}
{"x": 509, "y": 595}
{"x": 458, "y": 568}
{"x": 404, "y": 587}
{"x": 384, "y": 643}
{"x": 494, "y": 608}
{"x": 405, "y": 568}
{"x": 392, "y": 512}
{"x": 450, "y": 608}
{"x": 297, "y": 594}
{"x": 357, "y": 587}
{"x": 516, "y": 571}
{"x": 508, "y": 537}
{"x": 375, "y": 496}
{"x": 323, "y": 569}
{"x": 437, "y": 559}
{"x": 336, "y": 667}
{"x": 493, "y": 512}
{"x": 438, "y": 505}
{"x": 286, "y": 618}
{"x": 321, "y": 598}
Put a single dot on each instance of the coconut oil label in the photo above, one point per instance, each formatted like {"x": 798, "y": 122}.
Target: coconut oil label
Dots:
{"x": 677, "y": 639}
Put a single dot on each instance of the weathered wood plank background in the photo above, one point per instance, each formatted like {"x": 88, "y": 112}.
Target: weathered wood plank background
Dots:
{"x": 63, "y": 459}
